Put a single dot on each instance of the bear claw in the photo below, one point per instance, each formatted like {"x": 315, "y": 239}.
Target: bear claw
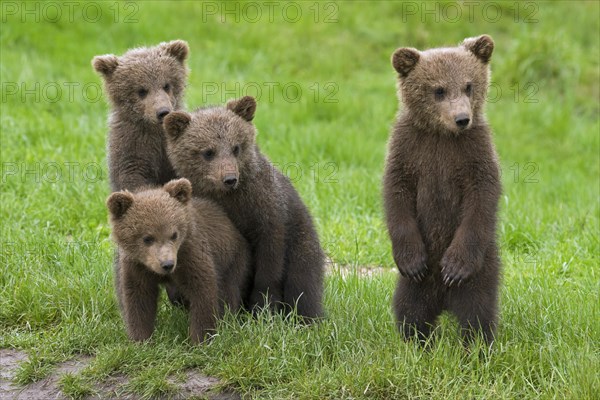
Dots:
{"x": 416, "y": 274}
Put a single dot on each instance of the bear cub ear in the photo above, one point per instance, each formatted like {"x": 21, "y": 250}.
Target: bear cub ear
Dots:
{"x": 179, "y": 189}
{"x": 177, "y": 49}
{"x": 176, "y": 122}
{"x": 404, "y": 60}
{"x": 245, "y": 107}
{"x": 105, "y": 65}
{"x": 482, "y": 47}
{"x": 118, "y": 203}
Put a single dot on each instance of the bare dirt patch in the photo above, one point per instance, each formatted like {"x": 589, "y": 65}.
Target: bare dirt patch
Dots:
{"x": 195, "y": 385}
{"x": 44, "y": 389}
{"x": 9, "y": 362}
{"x": 368, "y": 271}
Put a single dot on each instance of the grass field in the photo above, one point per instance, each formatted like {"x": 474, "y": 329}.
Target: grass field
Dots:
{"x": 326, "y": 100}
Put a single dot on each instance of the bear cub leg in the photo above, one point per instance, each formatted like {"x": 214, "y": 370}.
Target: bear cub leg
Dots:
{"x": 416, "y": 307}
{"x": 139, "y": 296}
{"x": 476, "y": 311}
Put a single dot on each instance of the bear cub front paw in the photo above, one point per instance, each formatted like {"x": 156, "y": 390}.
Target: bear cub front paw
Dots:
{"x": 411, "y": 259}
{"x": 459, "y": 264}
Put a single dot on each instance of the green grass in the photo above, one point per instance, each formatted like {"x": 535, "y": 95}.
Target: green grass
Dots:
{"x": 56, "y": 294}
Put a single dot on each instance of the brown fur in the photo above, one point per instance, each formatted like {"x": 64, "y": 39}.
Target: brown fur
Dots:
{"x": 166, "y": 237}
{"x": 215, "y": 148}
{"x": 142, "y": 85}
{"x": 441, "y": 191}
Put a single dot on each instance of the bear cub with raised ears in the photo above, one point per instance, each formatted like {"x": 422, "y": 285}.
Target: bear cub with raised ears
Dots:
{"x": 441, "y": 190}
{"x": 143, "y": 85}
{"x": 215, "y": 149}
{"x": 166, "y": 237}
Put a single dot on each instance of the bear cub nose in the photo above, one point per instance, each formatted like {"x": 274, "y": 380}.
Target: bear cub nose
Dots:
{"x": 161, "y": 113}
{"x": 167, "y": 265}
{"x": 230, "y": 180}
{"x": 462, "y": 120}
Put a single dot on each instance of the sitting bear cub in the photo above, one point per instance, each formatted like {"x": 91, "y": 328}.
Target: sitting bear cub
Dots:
{"x": 441, "y": 190}
{"x": 215, "y": 148}
{"x": 166, "y": 237}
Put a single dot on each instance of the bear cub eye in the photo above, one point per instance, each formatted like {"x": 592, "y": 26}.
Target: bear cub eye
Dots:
{"x": 208, "y": 154}
{"x": 439, "y": 92}
{"x": 174, "y": 236}
{"x": 236, "y": 150}
{"x": 167, "y": 87}
{"x": 142, "y": 92}
{"x": 469, "y": 89}
{"x": 148, "y": 240}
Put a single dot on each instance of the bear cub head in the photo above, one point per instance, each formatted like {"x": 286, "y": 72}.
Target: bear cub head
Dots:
{"x": 214, "y": 147}
{"x": 150, "y": 226}
{"x": 444, "y": 89}
{"x": 145, "y": 83}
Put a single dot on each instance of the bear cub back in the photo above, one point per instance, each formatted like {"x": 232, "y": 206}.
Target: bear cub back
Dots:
{"x": 164, "y": 236}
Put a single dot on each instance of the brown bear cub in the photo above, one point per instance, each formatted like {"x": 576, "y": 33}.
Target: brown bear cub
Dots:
{"x": 143, "y": 86}
{"x": 441, "y": 191}
{"x": 166, "y": 237}
{"x": 215, "y": 148}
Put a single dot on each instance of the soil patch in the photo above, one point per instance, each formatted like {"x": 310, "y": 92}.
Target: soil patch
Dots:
{"x": 195, "y": 385}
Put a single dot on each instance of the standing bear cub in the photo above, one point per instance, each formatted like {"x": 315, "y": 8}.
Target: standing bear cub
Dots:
{"x": 143, "y": 86}
{"x": 166, "y": 237}
{"x": 441, "y": 191}
{"x": 215, "y": 148}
